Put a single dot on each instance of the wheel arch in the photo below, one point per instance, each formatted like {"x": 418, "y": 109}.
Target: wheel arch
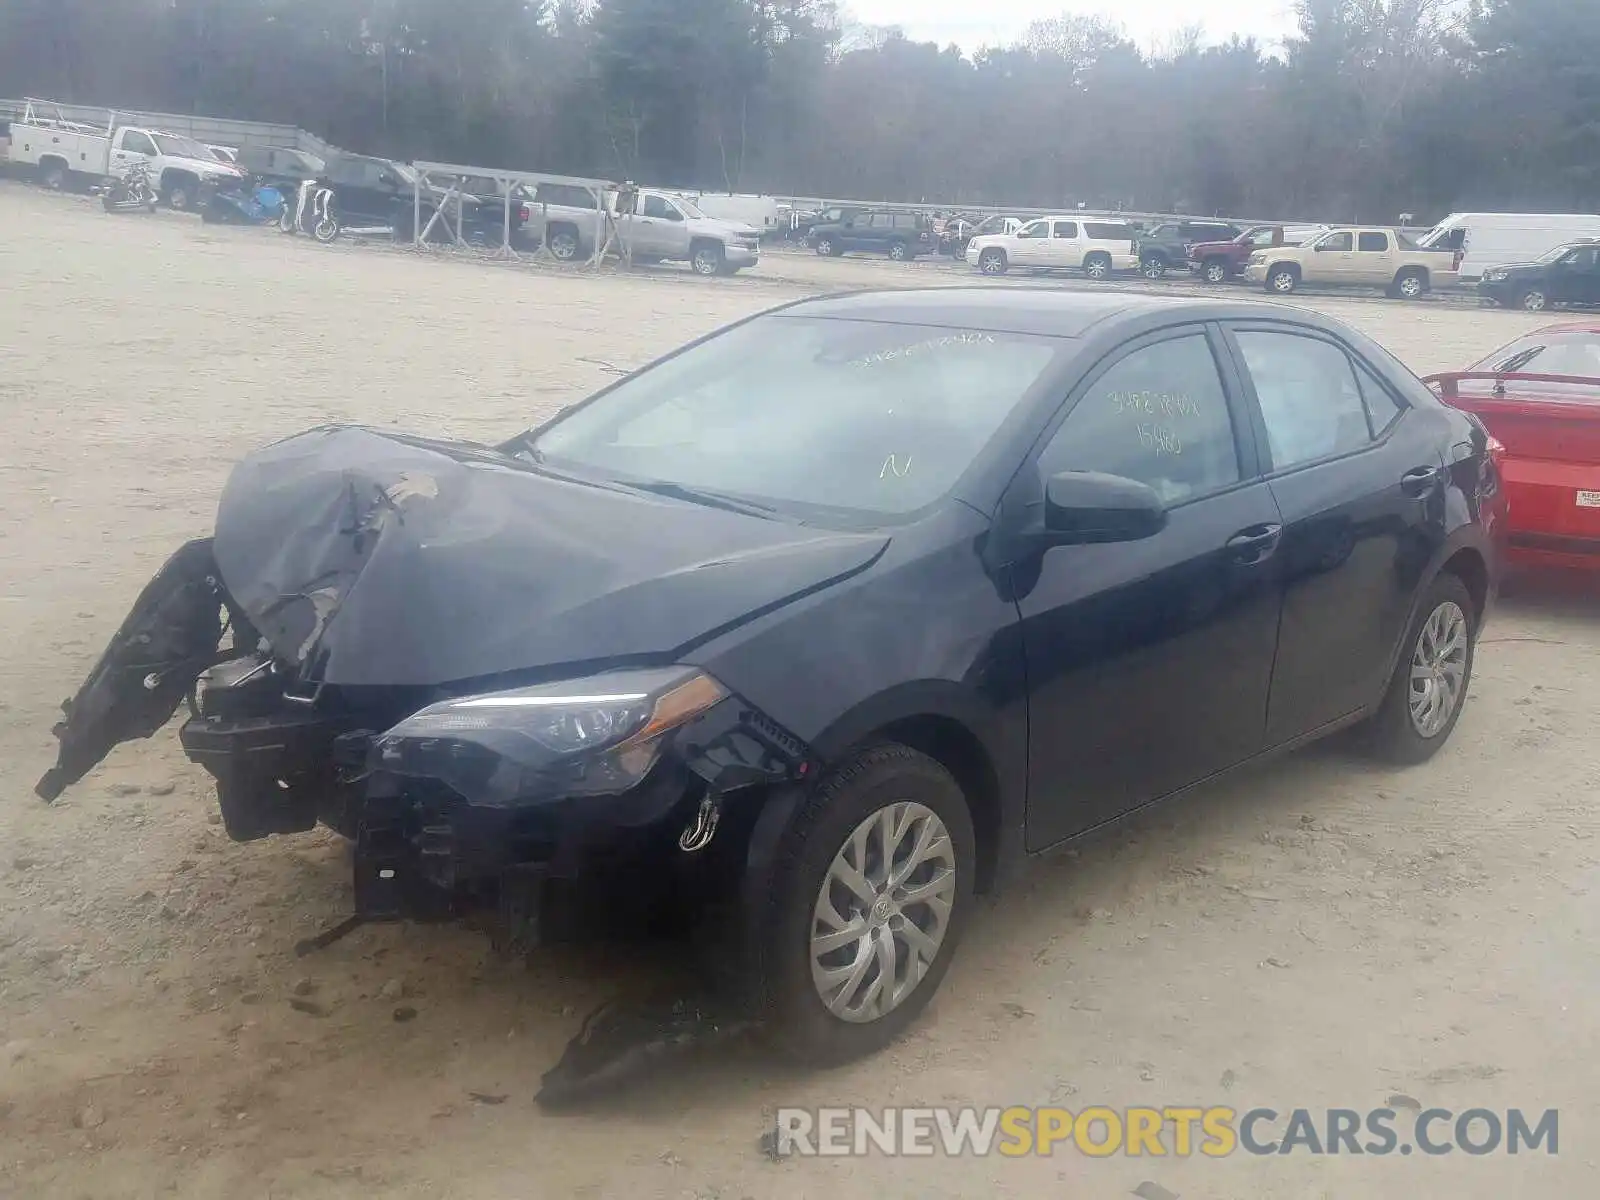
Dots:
{"x": 1467, "y": 556}
{"x": 950, "y": 725}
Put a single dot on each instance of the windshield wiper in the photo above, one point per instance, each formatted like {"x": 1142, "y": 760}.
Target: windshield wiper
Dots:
{"x": 711, "y": 499}
{"x": 1521, "y": 359}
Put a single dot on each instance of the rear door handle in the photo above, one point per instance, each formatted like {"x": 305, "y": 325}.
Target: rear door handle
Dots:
{"x": 1420, "y": 481}
{"x": 1255, "y": 543}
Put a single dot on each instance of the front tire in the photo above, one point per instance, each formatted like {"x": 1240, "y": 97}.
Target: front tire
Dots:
{"x": 1533, "y": 300}
{"x": 992, "y": 262}
{"x": 706, "y": 259}
{"x": 1215, "y": 271}
{"x": 1153, "y": 266}
{"x": 1282, "y": 280}
{"x": 326, "y": 231}
{"x": 180, "y": 196}
{"x": 870, "y": 889}
{"x": 1429, "y": 687}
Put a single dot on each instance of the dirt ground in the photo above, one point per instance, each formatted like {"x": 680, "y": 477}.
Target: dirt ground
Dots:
{"x": 1313, "y": 933}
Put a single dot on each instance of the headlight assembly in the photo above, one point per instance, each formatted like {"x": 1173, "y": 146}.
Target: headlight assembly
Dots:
{"x": 590, "y": 736}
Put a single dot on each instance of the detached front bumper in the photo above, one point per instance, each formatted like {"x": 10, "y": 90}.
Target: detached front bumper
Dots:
{"x": 1255, "y": 272}
{"x": 738, "y": 254}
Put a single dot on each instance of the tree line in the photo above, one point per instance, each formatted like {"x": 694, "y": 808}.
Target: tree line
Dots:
{"x": 1374, "y": 108}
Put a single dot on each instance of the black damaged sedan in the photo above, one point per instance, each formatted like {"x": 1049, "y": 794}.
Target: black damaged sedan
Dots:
{"x": 823, "y": 623}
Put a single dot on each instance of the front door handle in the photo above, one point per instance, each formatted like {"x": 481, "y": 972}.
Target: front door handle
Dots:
{"x": 1255, "y": 544}
{"x": 1421, "y": 481}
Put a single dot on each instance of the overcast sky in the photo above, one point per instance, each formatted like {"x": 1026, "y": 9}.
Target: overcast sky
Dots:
{"x": 975, "y": 23}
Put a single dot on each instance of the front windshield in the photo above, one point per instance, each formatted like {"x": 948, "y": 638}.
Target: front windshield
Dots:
{"x": 1550, "y": 256}
{"x": 174, "y": 146}
{"x": 808, "y": 414}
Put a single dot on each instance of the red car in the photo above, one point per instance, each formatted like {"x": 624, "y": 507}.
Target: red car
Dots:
{"x": 1539, "y": 398}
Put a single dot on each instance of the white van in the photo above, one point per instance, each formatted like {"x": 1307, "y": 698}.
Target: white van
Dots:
{"x": 1486, "y": 240}
{"x": 760, "y": 211}
{"x": 1094, "y": 246}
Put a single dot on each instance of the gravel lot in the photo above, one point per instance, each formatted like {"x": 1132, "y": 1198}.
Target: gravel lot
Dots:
{"x": 1314, "y": 933}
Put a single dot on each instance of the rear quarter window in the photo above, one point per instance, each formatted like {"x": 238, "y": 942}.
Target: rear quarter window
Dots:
{"x": 1108, "y": 231}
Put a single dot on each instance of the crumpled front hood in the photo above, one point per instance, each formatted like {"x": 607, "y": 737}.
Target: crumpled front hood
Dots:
{"x": 373, "y": 559}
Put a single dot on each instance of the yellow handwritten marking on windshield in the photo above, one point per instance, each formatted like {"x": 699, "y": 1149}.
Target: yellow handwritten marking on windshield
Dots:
{"x": 1155, "y": 404}
{"x": 898, "y": 352}
{"x": 891, "y": 467}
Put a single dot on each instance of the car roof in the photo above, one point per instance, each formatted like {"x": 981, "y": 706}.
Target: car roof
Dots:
{"x": 1030, "y": 310}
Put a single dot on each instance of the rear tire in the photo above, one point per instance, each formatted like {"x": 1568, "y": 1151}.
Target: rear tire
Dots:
{"x": 53, "y": 176}
{"x": 899, "y": 251}
{"x": 1097, "y": 266}
{"x": 326, "y": 231}
{"x": 1410, "y": 285}
{"x": 789, "y": 970}
{"x": 1396, "y": 732}
{"x": 563, "y": 243}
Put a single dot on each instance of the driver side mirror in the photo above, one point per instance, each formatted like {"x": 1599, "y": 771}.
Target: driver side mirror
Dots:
{"x": 1086, "y": 507}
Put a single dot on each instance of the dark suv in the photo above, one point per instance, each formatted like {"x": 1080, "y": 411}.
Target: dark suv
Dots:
{"x": 1569, "y": 274}
{"x": 900, "y": 235}
{"x": 1167, "y": 245}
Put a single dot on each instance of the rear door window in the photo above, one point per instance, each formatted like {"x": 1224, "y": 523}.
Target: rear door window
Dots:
{"x": 1373, "y": 242}
{"x": 1065, "y": 229}
{"x": 1310, "y": 402}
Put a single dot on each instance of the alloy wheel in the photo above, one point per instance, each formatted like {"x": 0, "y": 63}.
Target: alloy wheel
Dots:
{"x": 1438, "y": 668}
{"x": 1216, "y": 273}
{"x": 1535, "y": 301}
{"x": 1411, "y": 287}
{"x": 882, "y": 912}
{"x": 1153, "y": 268}
{"x": 1283, "y": 282}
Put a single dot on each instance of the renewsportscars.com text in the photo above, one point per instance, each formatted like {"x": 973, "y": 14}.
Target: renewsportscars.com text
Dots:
{"x": 1215, "y": 1132}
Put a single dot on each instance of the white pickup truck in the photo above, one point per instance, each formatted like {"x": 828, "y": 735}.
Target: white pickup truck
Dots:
{"x": 64, "y": 151}
{"x": 662, "y": 227}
